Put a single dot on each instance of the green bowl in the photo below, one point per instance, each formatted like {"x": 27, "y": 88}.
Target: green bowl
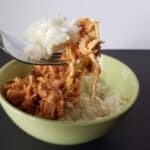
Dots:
{"x": 117, "y": 75}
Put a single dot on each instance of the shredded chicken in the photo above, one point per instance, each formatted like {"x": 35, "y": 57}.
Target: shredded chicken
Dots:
{"x": 43, "y": 92}
{"x": 82, "y": 56}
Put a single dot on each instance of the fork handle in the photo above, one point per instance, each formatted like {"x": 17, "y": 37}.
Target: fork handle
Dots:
{"x": 1, "y": 43}
{"x": 2, "y": 47}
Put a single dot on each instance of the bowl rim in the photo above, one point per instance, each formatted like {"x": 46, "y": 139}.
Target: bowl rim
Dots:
{"x": 78, "y": 122}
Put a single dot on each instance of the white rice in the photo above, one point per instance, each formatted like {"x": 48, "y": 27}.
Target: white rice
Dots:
{"x": 44, "y": 36}
{"x": 89, "y": 109}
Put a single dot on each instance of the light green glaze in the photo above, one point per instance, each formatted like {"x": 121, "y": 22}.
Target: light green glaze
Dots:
{"x": 117, "y": 75}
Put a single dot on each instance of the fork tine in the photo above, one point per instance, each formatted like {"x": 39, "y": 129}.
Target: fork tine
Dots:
{"x": 57, "y": 54}
{"x": 59, "y": 62}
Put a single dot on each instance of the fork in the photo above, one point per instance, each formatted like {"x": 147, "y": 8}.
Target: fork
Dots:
{"x": 15, "y": 48}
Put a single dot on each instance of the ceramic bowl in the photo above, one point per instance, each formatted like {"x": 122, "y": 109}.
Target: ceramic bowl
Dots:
{"x": 118, "y": 76}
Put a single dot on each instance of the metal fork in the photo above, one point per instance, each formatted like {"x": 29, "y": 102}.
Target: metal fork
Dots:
{"x": 15, "y": 48}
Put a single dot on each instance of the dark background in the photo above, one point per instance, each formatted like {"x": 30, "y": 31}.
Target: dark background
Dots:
{"x": 131, "y": 133}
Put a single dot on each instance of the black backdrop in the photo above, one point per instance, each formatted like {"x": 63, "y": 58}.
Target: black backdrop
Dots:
{"x": 131, "y": 133}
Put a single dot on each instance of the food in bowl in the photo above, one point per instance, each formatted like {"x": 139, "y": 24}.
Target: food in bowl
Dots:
{"x": 65, "y": 92}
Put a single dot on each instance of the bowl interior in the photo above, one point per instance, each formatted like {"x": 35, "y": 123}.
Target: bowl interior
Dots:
{"x": 118, "y": 76}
